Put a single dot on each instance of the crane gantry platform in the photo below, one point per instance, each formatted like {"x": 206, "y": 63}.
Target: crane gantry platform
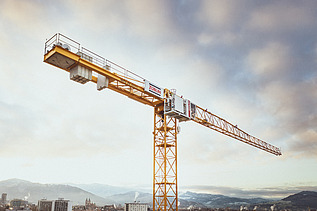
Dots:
{"x": 85, "y": 66}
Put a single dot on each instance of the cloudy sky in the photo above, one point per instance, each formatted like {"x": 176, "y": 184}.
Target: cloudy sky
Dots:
{"x": 250, "y": 62}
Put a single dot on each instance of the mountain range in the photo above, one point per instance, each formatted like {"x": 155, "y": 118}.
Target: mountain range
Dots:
{"x": 21, "y": 189}
{"x": 303, "y": 199}
{"x": 105, "y": 194}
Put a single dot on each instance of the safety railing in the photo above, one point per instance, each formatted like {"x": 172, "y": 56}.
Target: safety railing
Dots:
{"x": 84, "y": 53}
{"x": 123, "y": 72}
{"x": 63, "y": 41}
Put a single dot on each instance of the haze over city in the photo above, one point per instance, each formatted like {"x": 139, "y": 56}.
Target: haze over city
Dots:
{"x": 251, "y": 62}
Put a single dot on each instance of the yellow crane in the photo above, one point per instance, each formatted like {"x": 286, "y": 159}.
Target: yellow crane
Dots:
{"x": 169, "y": 109}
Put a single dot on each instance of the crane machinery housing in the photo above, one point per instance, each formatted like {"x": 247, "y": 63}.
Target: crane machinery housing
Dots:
{"x": 85, "y": 66}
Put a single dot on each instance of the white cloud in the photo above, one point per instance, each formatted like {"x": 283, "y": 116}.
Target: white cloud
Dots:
{"x": 149, "y": 19}
{"x": 293, "y": 105}
{"x": 24, "y": 16}
{"x": 134, "y": 18}
{"x": 304, "y": 142}
{"x": 220, "y": 15}
{"x": 205, "y": 39}
{"x": 98, "y": 15}
{"x": 270, "y": 62}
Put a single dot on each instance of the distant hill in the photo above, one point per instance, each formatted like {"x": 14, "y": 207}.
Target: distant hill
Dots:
{"x": 298, "y": 201}
{"x": 16, "y": 188}
{"x": 303, "y": 199}
{"x": 101, "y": 189}
{"x": 216, "y": 201}
{"x": 107, "y": 190}
{"x": 189, "y": 200}
{"x": 131, "y": 197}
{"x": 21, "y": 189}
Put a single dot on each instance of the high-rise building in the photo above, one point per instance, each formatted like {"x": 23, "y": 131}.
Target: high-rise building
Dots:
{"x": 135, "y": 207}
{"x": 45, "y": 205}
{"x": 62, "y": 205}
{"x": 54, "y": 205}
{"x": 18, "y": 204}
{"x": 3, "y": 198}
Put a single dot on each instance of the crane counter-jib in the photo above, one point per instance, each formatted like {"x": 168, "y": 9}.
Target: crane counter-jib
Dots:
{"x": 82, "y": 69}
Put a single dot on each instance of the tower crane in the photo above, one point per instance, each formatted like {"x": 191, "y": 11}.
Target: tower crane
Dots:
{"x": 85, "y": 66}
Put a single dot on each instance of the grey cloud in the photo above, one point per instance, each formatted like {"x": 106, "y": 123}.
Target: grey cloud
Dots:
{"x": 290, "y": 100}
{"x": 277, "y": 46}
{"x": 240, "y": 47}
{"x": 267, "y": 51}
{"x": 271, "y": 62}
{"x": 261, "y": 48}
{"x": 283, "y": 15}
{"x": 134, "y": 18}
{"x": 223, "y": 16}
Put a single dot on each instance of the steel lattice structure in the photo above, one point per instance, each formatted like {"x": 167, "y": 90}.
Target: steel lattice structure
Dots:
{"x": 165, "y": 162}
{"x": 86, "y": 66}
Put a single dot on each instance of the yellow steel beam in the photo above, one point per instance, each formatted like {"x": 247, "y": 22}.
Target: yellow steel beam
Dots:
{"x": 65, "y": 59}
{"x": 165, "y": 195}
{"x": 218, "y": 124}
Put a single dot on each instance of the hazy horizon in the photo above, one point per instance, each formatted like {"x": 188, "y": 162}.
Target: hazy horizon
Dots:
{"x": 267, "y": 192}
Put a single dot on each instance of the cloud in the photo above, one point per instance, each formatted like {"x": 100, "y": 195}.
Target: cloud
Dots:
{"x": 271, "y": 62}
{"x": 149, "y": 19}
{"x": 135, "y": 18}
{"x": 206, "y": 39}
{"x": 221, "y": 15}
{"x": 99, "y": 15}
{"x": 217, "y": 28}
{"x": 286, "y": 95}
{"x": 23, "y": 16}
{"x": 16, "y": 126}
{"x": 244, "y": 61}
{"x": 282, "y": 16}
{"x": 63, "y": 130}
{"x": 315, "y": 53}
{"x": 304, "y": 143}
{"x": 276, "y": 42}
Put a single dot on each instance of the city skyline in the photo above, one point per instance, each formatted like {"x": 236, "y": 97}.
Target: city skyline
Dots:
{"x": 251, "y": 62}
{"x": 98, "y": 197}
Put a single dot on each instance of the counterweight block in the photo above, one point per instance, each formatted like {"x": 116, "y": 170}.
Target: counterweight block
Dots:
{"x": 80, "y": 74}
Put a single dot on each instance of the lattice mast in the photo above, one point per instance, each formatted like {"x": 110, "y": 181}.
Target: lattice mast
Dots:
{"x": 169, "y": 109}
{"x": 165, "y": 161}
